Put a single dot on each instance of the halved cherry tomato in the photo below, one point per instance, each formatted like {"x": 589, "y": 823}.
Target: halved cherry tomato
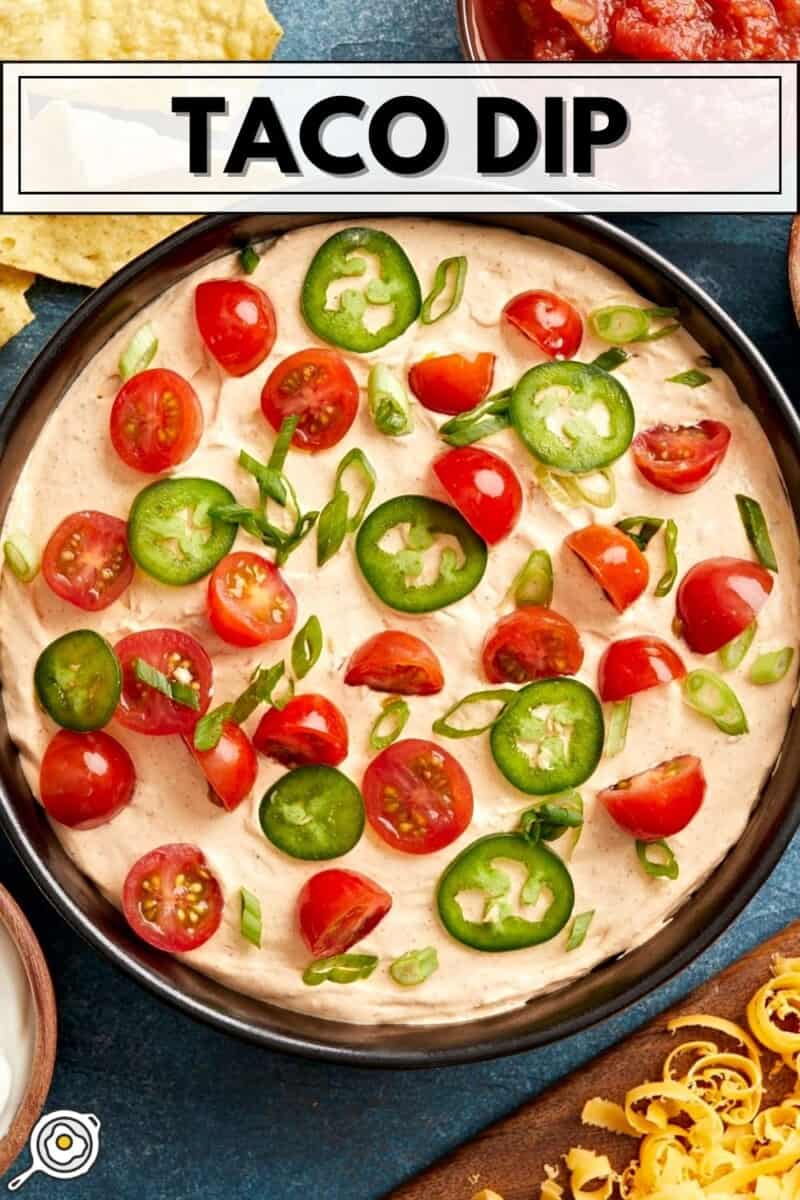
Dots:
{"x": 236, "y": 321}
{"x": 531, "y": 643}
{"x": 156, "y": 421}
{"x": 394, "y": 661}
{"x": 230, "y": 767}
{"x": 85, "y": 778}
{"x": 452, "y": 383}
{"x": 318, "y": 387}
{"x": 86, "y": 560}
{"x": 614, "y": 560}
{"x": 484, "y": 489}
{"x": 679, "y": 458}
{"x": 171, "y": 899}
{"x": 249, "y": 601}
{"x": 548, "y": 320}
{"x": 338, "y": 908}
{"x": 180, "y": 657}
{"x": 718, "y": 598}
{"x": 308, "y": 730}
{"x": 636, "y": 664}
{"x": 417, "y": 797}
{"x": 660, "y": 802}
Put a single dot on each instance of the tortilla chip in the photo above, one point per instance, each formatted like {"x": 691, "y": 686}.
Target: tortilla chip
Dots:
{"x": 80, "y": 249}
{"x": 186, "y": 30}
{"x": 14, "y": 311}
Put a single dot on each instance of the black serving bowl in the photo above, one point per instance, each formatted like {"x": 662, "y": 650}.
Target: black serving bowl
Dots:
{"x": 610, "y": 986}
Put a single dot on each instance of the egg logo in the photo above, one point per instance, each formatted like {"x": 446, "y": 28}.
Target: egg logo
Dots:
{"x": 64, "y": 1145}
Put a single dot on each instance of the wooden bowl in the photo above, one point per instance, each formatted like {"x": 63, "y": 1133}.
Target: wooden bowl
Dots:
{"x": 794, "y": 265}
{"x": 44, "y": 1050}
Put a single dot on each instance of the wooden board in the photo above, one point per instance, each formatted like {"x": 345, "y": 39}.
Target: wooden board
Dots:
{"x": 509, "y": 1157}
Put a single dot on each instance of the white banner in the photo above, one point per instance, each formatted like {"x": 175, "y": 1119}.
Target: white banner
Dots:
{"x": 195, "y": 138}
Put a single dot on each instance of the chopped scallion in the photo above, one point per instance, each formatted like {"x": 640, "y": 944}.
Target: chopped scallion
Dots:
{"x": 389, "y": 723}
{"x": 414, "y": 967}
{"x": 617, "y": 728}
{"x": 306, "y": 647}
{"x": 755, "y": 526}
{"x": 389, "y": 402}
{"x": 249, "y": 259}
{"x": 641, "y": 530}
{"x": 548, "y": 820}
{"x": 733, "y": 652}
{"x": 139, "y": 353}
{"x": 533, "y": 585}
{"x": 664, "y": 865}
{"x": 173, "y": 689}
{"x": 711, "y": 696}
{"x": 488, "y": 417}
{"x": 667, "y": 580}
{"x": 454, "y": 269}
{"x": 610, "y": 359}
{"x": 335, "y": 521}
{"x": 250, "y": 921}
{"x": 341, "y": 968}
{"x": 772, "y": 666}
{"x": 22, "y": 557}
{"x": 579, "y": 929}
{"x": 492, "y": 696}
{"x": 691, "y": 378}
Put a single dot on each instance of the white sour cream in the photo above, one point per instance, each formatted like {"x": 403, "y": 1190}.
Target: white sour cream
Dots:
{"x": 17, "y": 1031}
{"x": 74, "y": 466}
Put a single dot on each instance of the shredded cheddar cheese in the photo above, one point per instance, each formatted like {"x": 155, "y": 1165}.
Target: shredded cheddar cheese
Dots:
{"x": 703, "y": 1128}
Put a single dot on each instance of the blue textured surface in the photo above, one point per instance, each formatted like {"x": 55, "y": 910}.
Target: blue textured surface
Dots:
{"x": 342, "y": 31}
{"x": 188, "y": 1112}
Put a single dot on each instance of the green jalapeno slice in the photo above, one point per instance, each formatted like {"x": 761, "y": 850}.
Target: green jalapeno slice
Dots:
{"x": 78, "y": 680}
{"x": 396, "y": 287}
{"x": 503, "y": 925}
{"x": 550, "y": 737}
{"x": 573, "y": 417}
{"x": 398, "y": 571}
{"x": 172, "y": 534}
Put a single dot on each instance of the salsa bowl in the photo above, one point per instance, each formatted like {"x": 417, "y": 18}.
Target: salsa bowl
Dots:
{"x": 613, "y": 984}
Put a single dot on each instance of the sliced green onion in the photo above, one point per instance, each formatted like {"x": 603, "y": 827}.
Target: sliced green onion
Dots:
{"x": 282, "y": 443}
{"x": 755, "y": 526}
{"x": 341, "y": 968}
{"x": 22, "y": 557}
{"x": 455, "y": 268}
{"x": 641, "y": 530}
{"x": 250, "y": 920}
{"x": 692, "y": 378}
{"x": 499, "y": 696}
{"x": 770, "y": 667}
{"x": 732, "y": 653}
{"x": 334, "y": 520}
{"x": 488, "y": 417}
{"x": 600, "y": 497}
{"x": 665, "y": 583}
{"x": 533, "y": 584}
{"x": 139, "y": 353}
{"x": 414, "y": 967}
{"x": 617, "y": 727}
{"x": 389, "y": 402}
{"x": 620, "y": 324}
{"x": 306, "y": 647}
{"x": 389, "y": 723}
{"x": 181, "y": 693}
{"x": 711, "y": 696}
{"x": 579, "y": 930}
{"x": 610, "y": 359}
{"x": 548, "y": 820}
{"x": 664, "y": 866}
{"x": 249, "y": 259}
{"x": 208, "y": 729}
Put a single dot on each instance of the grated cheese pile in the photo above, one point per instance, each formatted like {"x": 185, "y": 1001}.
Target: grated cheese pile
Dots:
{"x": 704, "y": 1133}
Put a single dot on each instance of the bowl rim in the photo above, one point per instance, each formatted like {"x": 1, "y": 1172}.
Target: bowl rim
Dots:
{"x": 484, "y": 1044}
{"x": 19, "y": 929}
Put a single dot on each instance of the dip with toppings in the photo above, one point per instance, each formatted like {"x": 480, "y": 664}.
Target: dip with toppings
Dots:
{"x": 416, "y": 621}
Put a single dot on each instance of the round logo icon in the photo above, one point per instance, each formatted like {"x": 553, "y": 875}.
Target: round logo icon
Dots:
{"x": 63, "y": 1145}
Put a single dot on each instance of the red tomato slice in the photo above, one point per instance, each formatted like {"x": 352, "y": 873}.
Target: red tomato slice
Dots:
{"x": 249, "y": 602}
{"x": 679, "y": 458}
{"x": 236, "y": 321}
{"x": 171, "y": 899}
{"x": 548, "y": 320}
{"x": 531, "y": 643}
{"x": 86, "y": 560}
{"x": 484, "y": 489}
{"x": 452, "y": 383}
{"x": 85, "y": 778}
{"x": 309, "y": 729}
{"x": 394, "y": 661}
{"x": 318, "y": 387}
{"x": 180, "y": 657}
{"x": 156, "y": 421}
{"x": 636, "y": 664}
{"x": 660, "y": 802}
{"x": 338, "y": 908}
{"x": 614, "y": 560}
{"x": 230, "y": 768}
{"x": 718, "y": 598}
{"x": 417, "y": 797}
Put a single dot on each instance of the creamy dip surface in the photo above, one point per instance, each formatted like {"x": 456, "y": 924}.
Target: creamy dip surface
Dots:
{"x": 17, "y": 1031}
{"x": 74, "y": 466}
